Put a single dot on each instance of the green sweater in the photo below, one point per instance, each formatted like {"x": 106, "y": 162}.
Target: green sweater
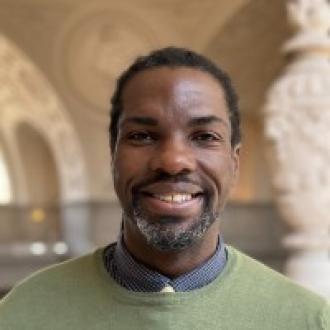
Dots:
{"x": 79, "y": 294}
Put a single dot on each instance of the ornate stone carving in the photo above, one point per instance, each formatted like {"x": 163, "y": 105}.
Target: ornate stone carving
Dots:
{"x": 297, "y": 128}
{"x": 311, "y": 18}
{"x": 309, "y": 15}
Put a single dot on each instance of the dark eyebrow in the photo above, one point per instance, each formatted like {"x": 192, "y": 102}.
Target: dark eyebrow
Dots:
{"x": 205, "y": 120}
{"x": 141, "y": 121}
{"x": 197, "y": 121}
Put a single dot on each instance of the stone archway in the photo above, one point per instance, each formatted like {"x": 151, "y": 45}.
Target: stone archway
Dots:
{"x": 26, "y": 97}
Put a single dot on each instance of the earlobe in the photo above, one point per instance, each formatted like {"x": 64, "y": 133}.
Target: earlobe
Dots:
{"x": 236, "y": 161}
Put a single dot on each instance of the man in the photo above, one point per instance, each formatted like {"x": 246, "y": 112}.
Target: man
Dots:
{"x": 175, "y": 143}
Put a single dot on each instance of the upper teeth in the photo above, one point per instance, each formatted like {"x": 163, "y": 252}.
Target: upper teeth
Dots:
{"x": 176, "y": 198}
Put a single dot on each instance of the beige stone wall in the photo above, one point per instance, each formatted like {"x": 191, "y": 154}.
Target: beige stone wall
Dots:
{"x": 39, "y": 167}
{"x": 81, "y": 46}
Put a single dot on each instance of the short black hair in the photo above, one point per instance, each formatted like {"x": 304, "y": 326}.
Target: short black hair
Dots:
{"x": 175, "y": 57}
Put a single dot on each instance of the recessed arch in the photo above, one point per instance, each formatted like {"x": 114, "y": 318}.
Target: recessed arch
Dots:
{"x": 27, "y": 97}
{"x": 39, "y": 166}
{"x": 6, "y": 191}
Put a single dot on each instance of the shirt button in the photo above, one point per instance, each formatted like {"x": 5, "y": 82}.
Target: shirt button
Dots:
{"x": 167, "y": 288}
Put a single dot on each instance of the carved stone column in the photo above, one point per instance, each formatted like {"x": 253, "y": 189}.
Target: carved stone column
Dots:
{"x": 297, "y": 127}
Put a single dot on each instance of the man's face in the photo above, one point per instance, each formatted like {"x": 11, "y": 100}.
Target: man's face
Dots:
{"x": 173, "y": 165}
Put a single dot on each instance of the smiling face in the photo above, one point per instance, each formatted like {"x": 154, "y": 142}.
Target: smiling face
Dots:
{"x": 173, "y": 165}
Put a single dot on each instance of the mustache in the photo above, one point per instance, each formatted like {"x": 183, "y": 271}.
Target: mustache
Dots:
{"x": 165, "y": 177}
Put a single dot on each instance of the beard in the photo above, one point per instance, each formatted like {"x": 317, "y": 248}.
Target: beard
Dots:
{"x": 168, "y": 233}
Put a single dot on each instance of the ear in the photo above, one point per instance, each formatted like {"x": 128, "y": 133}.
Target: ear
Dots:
{"x": 235, "y": 154}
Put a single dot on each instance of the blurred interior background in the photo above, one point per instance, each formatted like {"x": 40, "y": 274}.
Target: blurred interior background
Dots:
{"x": 58, "y": 64}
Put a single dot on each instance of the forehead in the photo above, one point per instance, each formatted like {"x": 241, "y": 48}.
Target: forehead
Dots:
{"x": 180, "y": 89}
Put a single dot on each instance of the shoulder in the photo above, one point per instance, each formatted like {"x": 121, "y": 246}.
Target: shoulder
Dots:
{"x": 325, "y": 318}
{"x": 257, "y": 282}
{"x": 63, "y": 273}
{"x": 253, "y": 273}
{"x": 53, "y": 286}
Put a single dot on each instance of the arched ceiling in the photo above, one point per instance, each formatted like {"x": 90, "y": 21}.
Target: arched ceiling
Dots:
{"x": 248, "y": 47}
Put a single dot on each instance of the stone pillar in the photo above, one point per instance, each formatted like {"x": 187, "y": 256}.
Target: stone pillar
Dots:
{"x": 76, "y": 224}
{"x": 297, "y": 128}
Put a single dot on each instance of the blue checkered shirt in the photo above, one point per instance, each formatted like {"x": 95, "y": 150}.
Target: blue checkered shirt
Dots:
{"x": 135, "y": 276}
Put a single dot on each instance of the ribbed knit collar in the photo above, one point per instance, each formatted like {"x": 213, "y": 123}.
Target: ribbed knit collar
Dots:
{"x": 134, "y": 276}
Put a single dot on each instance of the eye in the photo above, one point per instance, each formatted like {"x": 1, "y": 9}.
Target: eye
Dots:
{"x": 140, "y": 137}
{"x": 206, "y": 137}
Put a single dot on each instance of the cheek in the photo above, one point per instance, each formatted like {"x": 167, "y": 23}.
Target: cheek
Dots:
{"x": 120, "y": 166}
{"x": 219, "y": 171}
{"x": 126, "y": 169}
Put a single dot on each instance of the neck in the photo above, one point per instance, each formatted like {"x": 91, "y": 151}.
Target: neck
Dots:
{"x": 171, "y": 263}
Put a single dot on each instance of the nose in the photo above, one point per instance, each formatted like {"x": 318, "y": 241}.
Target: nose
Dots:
{"x": 173, "y": 157}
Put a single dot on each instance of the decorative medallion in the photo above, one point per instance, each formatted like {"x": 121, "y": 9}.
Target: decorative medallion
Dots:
{"x": 97, "y": 44}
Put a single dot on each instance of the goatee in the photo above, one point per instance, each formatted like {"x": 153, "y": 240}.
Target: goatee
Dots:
{"x": 170, "y": 233}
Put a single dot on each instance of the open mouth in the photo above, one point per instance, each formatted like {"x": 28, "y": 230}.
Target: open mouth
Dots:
{"x": 176, "y": 198}
{"x": 173, "y": 204}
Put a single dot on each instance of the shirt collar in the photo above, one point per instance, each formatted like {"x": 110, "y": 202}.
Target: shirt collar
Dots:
{"x": 134, "y": 276}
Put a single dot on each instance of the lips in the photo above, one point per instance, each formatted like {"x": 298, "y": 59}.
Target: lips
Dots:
{"x": 172, "y": 199}
{"x": 172, "y": 188}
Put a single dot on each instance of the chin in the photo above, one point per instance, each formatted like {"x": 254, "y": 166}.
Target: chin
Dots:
{"x": 172, "y": 234}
